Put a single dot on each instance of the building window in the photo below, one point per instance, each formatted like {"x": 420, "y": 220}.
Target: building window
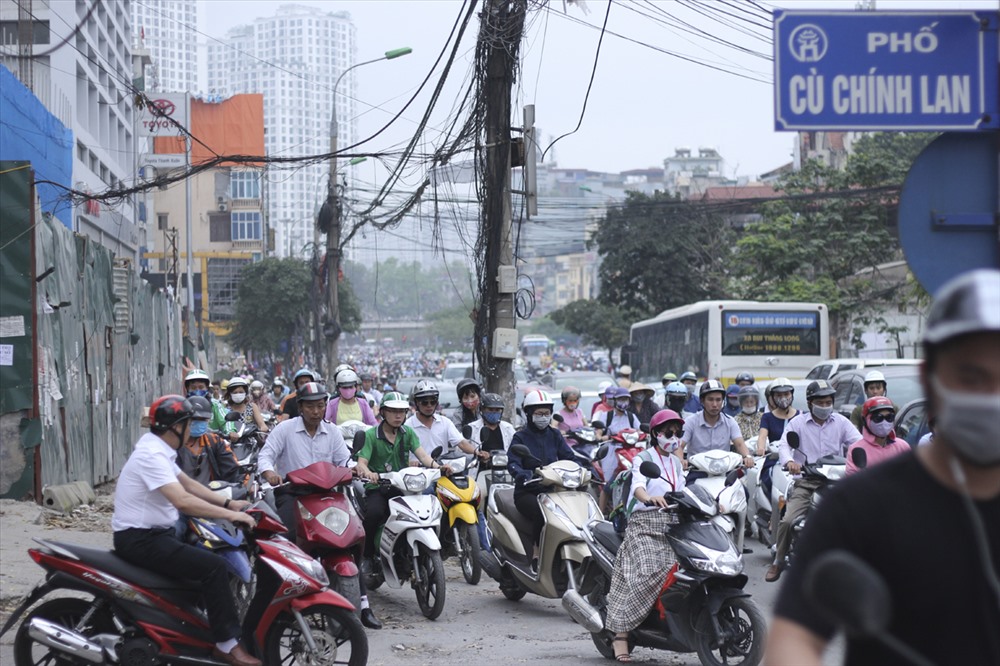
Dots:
{"x": 161, "y": 221}
{"x": 246, "y": 226}
{"x": 244, "y": 185}
{"x": 220, "y": 228}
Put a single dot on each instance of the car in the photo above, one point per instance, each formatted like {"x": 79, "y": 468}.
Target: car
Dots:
{"x": 912, "y": 422}
{"x": 588, "y": 382}
{"x": 903, "y": 387}
{"x": 455, "y": 372}
{"x": 830, "y": 368}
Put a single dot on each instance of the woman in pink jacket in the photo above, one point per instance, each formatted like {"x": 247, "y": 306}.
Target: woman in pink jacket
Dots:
{"x": 878, "y": 440}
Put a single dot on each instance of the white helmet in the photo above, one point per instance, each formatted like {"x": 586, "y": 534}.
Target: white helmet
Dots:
{"x": 625, "y": 370}
{"x": 197, "y": 375}
{"x": 339, "y": 369}
{"x": 424, "y": 389}
{"x": 348, "y": 378}
{"x": 256, "y": 385}
{"x": 536, "y": 398}
{"x": 874, "y": 376}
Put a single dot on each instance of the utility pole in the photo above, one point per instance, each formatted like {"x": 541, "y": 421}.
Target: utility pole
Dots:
{"x": 500, "y": 34}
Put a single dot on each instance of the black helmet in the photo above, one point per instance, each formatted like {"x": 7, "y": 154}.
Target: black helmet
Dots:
{"x": 466, "y": 384}
{"x": 312, "y": 391}
{"x": 819, "y": 389}
{"x": 492, "y": 401}
{"x": 169, "y": 410}
{"x": 202, "y": 407}
{"x": 744, "y": 377}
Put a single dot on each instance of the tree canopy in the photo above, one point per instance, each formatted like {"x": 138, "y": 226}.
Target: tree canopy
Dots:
{"x": 392, "y": 289}
{"x": 599, "y": 323}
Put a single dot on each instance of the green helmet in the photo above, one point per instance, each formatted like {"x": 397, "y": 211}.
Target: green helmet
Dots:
{"x": 394, "y": 400}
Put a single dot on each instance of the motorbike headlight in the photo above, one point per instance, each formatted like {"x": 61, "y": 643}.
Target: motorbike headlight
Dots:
{"x": 631, "y": 438}
{"x": 717, "y": 467}
{"x": 202, "y": 531}
{"x": 334, "y": 519}
{"x": 500, "y": 460}
{"x": 415, "y": 482}
{"x": 725, "y": 562}
{"x": 571, "y": 479}
{"x": 309, "y": 566}
{"x": 442, "y": 491}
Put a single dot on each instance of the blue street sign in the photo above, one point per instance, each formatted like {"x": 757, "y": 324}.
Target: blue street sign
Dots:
{"x": 905, "y": 70}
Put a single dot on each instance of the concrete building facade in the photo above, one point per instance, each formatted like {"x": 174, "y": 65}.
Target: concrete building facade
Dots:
{"x": 167, "y": 29}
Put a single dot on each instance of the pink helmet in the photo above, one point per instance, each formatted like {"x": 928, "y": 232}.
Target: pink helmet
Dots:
{"x": 662, "y": 416}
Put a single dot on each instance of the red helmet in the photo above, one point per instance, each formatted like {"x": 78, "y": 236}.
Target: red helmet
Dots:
{"x": 662, "y": 416}
{"x": 169, "y": 410}
{"x": 875, "y": 404}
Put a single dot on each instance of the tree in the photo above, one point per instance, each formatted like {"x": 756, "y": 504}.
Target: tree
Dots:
{"x": 350, "y": 308}
{"x": 453, "y": 329}
{"x": 392, "y": 289}
{"x": 601, "y": 324}
{"x": 272, "y": 304}
{"x": 660, "y": 252}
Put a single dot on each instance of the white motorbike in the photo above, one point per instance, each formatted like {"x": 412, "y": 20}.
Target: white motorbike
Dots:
{"x": 408, "y": 544}
{"x": 731, "y": 499}
{"x": 769, "y": 504}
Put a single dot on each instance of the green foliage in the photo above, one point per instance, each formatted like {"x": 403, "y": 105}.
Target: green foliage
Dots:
{"x": 599, "y": 323}
{"x": 407, "y": 290}
{"x": 350, "y": 308}
{"x": 660, "y": 252}
{"x": 272, "y": 304}
{"x": 452, "y": 327}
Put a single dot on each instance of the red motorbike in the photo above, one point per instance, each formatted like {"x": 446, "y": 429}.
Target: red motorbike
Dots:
{"x": 627, "y": 444}
{"x": 328, "y": 525}
{"x": 138, "y": 617}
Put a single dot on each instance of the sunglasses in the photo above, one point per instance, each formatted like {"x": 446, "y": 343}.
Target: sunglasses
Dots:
{"x": 427, "y": 401}
{"x": 878, "y": 417}
{"x": 672, "y": 431}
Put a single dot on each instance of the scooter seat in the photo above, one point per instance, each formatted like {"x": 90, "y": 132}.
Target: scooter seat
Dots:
{"x": 172, "y": 589}
{"x": 506, "y": 506}
{"x": 606, "y": 535}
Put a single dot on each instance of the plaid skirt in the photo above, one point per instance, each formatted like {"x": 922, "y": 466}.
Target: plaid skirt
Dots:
{"x": 641, "y": 567}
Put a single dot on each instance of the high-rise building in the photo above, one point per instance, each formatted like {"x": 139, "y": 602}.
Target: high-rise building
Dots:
{"x": 167, "y": 29}
{"x": 76, "y": 57}
{"x": 294, "y": 59}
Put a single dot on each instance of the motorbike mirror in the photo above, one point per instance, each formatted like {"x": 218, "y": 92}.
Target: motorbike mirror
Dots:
{"x": 793, "y": 439}
{"x": 358, "y": 442}
{"x": 597, "y": 424}
{"x": 557, "y": 417}
{"x": 232, "y": 417}
{"x": 733, "y": 476}
{"x": 859, "y": 458}
{"x": 520, "y": 450}
{"x": 467, "y": 431}
{"x": 602, "y": 451}
{"x": 645, "y": 428}
{"x": 437, "y": 451}
{"x": 649, "y": 470}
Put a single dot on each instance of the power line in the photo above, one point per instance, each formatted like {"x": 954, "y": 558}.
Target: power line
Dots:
{"x": 73, "y": 33}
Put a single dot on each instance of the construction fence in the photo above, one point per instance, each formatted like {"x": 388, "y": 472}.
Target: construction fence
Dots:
{"x": 85, "y": 346}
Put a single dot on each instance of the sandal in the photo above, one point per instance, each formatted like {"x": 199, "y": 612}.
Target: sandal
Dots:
{"x": 625, "y": 657}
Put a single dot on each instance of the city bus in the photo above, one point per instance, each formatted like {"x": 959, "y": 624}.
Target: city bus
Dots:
{"x": 536, "y": 349}
{"x": 719, "y": 339}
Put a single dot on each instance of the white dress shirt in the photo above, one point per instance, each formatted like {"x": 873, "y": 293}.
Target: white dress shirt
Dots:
{"x": 442, "y": 432}
{"x": 290, "y": 447}
{"x": 138, "y": 500}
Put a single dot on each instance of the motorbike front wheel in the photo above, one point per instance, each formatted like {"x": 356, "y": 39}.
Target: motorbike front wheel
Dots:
{"x": 742, "y": 639}
{"x": 430, "y": 582}
{"x": 468, "y": 537}
{"x": 337, "y": 632}
{"x": 348, "y": 587}
{"x": 67, "y": 612}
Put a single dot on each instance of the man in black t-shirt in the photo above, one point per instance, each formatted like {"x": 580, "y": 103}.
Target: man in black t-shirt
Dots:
{"x": 927, "y": 522}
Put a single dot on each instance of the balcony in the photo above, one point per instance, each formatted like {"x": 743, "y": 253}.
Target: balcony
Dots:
{"x": 248, "y": 245}
{"x": 245, "y": 204}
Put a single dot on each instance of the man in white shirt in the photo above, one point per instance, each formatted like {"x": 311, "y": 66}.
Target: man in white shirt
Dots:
{"x": 432, "y": 429}
{"x": 711, "y": 430}
{"x": 151, "y": 493}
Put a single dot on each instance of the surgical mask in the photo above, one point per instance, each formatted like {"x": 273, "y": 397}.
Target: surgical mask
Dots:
{"x": 749, "y": 409}
{"x": 621, "y": 404}
{"x": 256, "y": 393}
{"x": 822, "y": 413}
{"x": 667, "y": 443}
{"x": 880, "y": 429}
{"x": 237, "y": 397}
{"x": 690, "y": 388}
{"x": 198, "y": 392}
{"x": 783, "y": 403}
{"x": 471, "y": 402}
{"x": 347, "y": 393}
{"x": 541, "y": 421}
{"x": 492, "y": 418}
{"x": 733, "y": 402}
{"x": 198, "y": 428}
{"x": 969, "y": 421}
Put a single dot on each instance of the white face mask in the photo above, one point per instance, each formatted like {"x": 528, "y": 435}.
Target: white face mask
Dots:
{"x": 541, "y": 421}
{"x": 749, "y": 409}
{"x": 237, "y": 397}
{"x": 667, "y": 444}
{"x": 969, "y": 421}
{"x": 880, "y": 429}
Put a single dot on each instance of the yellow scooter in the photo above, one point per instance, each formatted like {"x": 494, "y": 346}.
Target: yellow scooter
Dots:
{"x": 459, "y": 496}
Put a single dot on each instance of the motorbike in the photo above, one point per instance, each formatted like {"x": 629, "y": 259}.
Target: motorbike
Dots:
{"x": 769, "y": 506}
{"x": 226, "y": 540}
{"x": 141, "y": 618}
{"x": 328, "y": 525}
{"x": 565, "y": 569}
{"x": 825, "y": 472}
{"x": 408, "y": 543}
{"x": 732, "y": 498}
{"x": 629, "y": 443}
{"x": 460, "y": 496}
{"x": 702, "y": 606}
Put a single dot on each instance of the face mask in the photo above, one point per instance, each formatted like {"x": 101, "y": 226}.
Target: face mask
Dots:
{"x": 749, "y": 409}
{"x": 541, "y": 421}
{"x": 822, "y": 413}
{"x": 783, "y": 403}
{"x": 198, "y": 392}
{"x": 198, "y": 428}
{"x": 733, "y": 402}
{"x": 256, "y": 393}
{"x": 471, "y": 403}
{"x": 690, "y": 389}
{"x": 880, "y": 429}
{"x": 621, "y": 404}
{"x": 571, "y": 406}
{"x": 237, "y": 397}
{"x": 968, "y": 421}
{"x": 347, "y": 393}
{"x": 492, "y": 418}
{"x": 667, "y": 443}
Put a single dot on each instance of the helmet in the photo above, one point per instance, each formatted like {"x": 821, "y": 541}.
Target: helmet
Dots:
{"x": 874, "y": 376}
{"x": 304, "y": 372}
{"x": 662, "y": 416}
{"x": 676, "y": 389}
{"x": 610, "y": 389}
{"x": 668, "y": 377}
{"x": 277, "y": 382}
{"x": 625, "y": 370}
{"x": 876, "y": 404}
{"x": 538, "y": 398}
{"x": 339, "y": 369}
{"x": 781, "y": 385}
{"x": 709, "y": 386}
{"x": 620, "y": 392}
{"x": 235, "y": 383}
{"x": 570, "y": 393}
{"x": 744, "y": 377}
{"x": 819, "y": 388}
{"x": 467, "y": 383}
{"x": 256, "y": 385}
{"x": 202, "y": 408}
{"x": 734, "y": 389}
{"x": 425, "y": 389}
{"x": 394, "y": 400}
{"x": 969, "y": 303}
{"x": 169, "y": 410}
{"x": 312, "y": 391}
{"x": 224, "y": 384}
{"x": 494, "y": 401}
{"x": 366, "y": 376}
{"x": 347, "y": 378}
{"x": 748, "y": 392}
{"x": 200, "y": 375}
{"x": 688, "y": 375}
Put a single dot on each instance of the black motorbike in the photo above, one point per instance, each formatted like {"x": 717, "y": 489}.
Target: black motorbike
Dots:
{"x": 703, "y": 606}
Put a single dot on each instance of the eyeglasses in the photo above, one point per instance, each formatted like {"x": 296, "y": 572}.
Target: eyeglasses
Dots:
{"x": 672, "y": 431}
{"x": 879, "y": 417}
{"x": 427, "y": 401}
